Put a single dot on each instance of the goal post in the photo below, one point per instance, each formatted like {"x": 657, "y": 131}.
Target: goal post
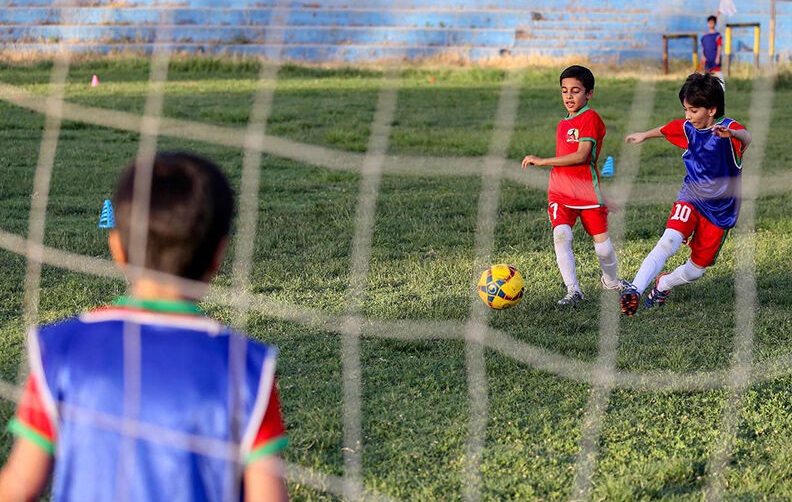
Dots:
{"x": 694, "y": 47}
{"x": 728, "y": 42}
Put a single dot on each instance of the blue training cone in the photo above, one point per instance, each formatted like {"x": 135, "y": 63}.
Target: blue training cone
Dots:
{"x": 607, "y": 168}
{"x": 107, "y": 218}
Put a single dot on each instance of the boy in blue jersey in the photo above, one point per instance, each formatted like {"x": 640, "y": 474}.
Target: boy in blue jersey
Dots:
{"x": 148, "y": 399}
{"x": 708, "y": 202}
{"x": 711, "y": 50}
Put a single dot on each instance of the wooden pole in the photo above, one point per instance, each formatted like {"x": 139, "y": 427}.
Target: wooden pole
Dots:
{"x": 694, "y": 47}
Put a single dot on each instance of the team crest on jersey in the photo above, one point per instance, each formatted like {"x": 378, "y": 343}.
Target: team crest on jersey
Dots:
{"x": 573, "y": 135}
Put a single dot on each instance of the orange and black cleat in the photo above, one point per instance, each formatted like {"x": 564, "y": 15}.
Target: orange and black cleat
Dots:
{"x": 629, "y": 301}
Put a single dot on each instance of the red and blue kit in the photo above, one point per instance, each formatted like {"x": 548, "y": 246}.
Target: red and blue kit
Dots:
{"x": 708, "y": 203}
{"x": 151, "y": 400}
{"x": 714, "y": 165}
{"x": 709, "y": 46}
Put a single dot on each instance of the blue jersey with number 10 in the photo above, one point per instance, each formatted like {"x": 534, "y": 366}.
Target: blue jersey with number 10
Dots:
{"x": 714, "y": 166}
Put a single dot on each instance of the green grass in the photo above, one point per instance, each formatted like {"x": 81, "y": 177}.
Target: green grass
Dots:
{"x": 653, "y": 445}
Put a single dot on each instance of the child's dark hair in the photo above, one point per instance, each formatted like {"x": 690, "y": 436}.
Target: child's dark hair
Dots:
{"x": 190, "y": 213}
{"x": 704, "y": 90}
{"x": 714, "y": 19}
{"x": 581, "y": 73}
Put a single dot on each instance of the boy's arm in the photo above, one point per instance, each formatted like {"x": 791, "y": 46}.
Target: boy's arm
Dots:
{"x": 263, "y": 475}
{"x": 582, "y": 154}
{"x": 26, "y": 472}
{"x": 741, "y": 135}
{"x": 638, "y": 137}
{"x": 264, "y": 480}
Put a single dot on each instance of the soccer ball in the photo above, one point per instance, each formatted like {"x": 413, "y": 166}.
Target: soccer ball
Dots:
{"x": 500, "y": 286}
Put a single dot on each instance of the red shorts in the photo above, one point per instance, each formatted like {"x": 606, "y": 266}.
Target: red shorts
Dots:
{"x": 594, "y": 220}
{"x": 706, "y": 240}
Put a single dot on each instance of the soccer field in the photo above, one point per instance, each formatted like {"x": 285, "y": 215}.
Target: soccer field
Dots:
{"x": 541, "y": 402}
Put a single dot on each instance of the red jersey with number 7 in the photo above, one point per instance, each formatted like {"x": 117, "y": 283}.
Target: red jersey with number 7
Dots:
{"x": 578, "y": 186}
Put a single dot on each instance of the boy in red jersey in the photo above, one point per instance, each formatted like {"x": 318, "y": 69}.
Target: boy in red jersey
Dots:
{"x": 574, "y": 190}
{"x": 148, "y": 399}
{"x": 708, "y": 202}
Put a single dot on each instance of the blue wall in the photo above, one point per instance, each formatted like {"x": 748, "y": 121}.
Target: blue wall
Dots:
{"x": 360, "y": 30}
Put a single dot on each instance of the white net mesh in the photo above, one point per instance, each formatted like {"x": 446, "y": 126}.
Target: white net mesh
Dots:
{"x": 601, "y": 374}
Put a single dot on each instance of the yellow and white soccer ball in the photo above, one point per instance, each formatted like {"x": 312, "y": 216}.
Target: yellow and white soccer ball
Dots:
{"x": 501, "y": 286}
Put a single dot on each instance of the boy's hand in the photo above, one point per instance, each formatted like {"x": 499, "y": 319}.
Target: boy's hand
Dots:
{"x": 531, "y": 160}
{"x": 611, "y": 204}
{"x": 721, "y": 131}
{"x": 635, "y": 137}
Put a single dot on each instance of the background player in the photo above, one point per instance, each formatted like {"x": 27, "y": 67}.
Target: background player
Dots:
{"x": 148, "y": 400}
{"x": 574, "y": 190}
{"x": 708, "y": 203}
{"x": 711, "y": 50}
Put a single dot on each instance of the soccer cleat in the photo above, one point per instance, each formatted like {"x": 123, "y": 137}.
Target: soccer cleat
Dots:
{"x": 572, "y": 299}
{"x": 621, "y": 285}
{"x": 629, "y": 300}
{"x": 656, "y": 298}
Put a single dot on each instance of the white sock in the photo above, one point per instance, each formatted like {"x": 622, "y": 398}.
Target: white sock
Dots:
{"x": 607, "y": 260}
{"x": 562, "y": 241}
{"x": 653, "y": 263}
{"x": 683, "y": 274}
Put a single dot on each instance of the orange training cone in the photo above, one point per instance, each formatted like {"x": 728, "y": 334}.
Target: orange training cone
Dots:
{"x": 94, "y": 81}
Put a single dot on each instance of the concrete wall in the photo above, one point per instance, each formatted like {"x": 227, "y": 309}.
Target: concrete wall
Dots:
{"x": 359, "y": 30}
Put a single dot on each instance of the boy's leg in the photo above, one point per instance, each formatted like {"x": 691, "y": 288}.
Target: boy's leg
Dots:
{"x": 608, "y": 262}
{"x": 679, "y": 226}
{"x": 562, "y": 219}
{"x": 562, "y": 241}
{"x": 665, "y": 248}
{"x": 720, "y": 76}
{"x": 653, "y": 263}
{"x": 705, "y": 246}
{"x": 683, "y": 274}
{"x": 595, "y": 222}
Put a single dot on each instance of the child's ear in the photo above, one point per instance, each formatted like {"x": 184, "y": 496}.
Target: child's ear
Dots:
{"x": 712, "y": 111}
{"x": 217, "y": 259}
{"x": 116, "y": 248}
